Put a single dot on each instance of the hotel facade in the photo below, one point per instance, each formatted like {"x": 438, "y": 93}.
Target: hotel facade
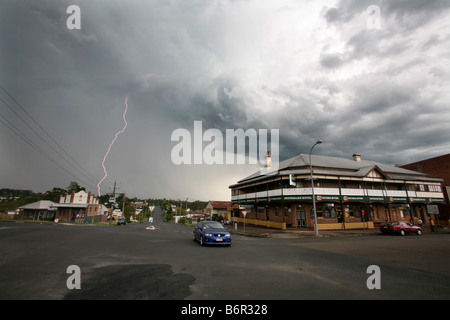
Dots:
{"x": 350, "y": 193}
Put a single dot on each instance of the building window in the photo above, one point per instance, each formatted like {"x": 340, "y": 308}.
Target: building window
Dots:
{"x": 434, "y": 188}
{"x": 348, "y": 212}
{"x": 420, "y": 187}
{"x": 319, "y": 213}
{"x": 333, "y": 212}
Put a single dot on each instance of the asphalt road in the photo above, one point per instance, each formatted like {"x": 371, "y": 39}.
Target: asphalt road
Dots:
{"x": 132, "y": 262}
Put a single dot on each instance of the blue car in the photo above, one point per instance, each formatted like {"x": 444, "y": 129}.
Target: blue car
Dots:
{"x": 212, "y": 232}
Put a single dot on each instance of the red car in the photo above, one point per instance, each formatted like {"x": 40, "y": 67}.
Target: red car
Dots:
{"x": 400, "y": 227}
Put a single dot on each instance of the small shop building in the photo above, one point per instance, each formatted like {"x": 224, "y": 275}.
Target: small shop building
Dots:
{"x": 350, "y": 193}
{"x": 78, "y": 207}
{"x": 39, "y": 210}
{"x": 220, "y": 208}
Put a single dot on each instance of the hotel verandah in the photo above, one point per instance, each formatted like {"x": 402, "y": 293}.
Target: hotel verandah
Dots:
{"x": 350, "y": 194}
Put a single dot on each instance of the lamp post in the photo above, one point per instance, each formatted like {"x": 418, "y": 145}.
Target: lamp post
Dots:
{"x": 312, "y": 186}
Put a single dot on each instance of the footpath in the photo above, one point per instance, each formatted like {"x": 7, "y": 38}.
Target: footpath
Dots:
{"x": 252, "y": 231}
{"x": 262, "y": 232}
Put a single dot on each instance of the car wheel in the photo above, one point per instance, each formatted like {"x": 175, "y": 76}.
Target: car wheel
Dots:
{"x": 419, "y": 232}
{"x": 201, "y": 241}
{"x": 193, "y": 237}
{"x": 402, "y": 232}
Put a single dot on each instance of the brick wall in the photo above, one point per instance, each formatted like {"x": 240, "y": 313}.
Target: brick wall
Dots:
{"x": 438, "y": 167}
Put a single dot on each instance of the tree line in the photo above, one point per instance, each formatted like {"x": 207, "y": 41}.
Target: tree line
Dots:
{"x": 12, "y": 199}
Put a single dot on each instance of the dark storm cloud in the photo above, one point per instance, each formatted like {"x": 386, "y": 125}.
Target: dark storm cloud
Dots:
{"x": 230, "y": 64}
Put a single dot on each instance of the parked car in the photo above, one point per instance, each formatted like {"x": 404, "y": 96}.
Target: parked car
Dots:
{"x": 121, "y": 221}
{"x": 400, "y": 227}
{"x": 211, "y": 232}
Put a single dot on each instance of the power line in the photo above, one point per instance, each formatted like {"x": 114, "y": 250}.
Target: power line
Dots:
{"x": 87, "y": 175}
{"x": 43, "y": 130}
{"x": 17, "y": 132}
{"x": 43, "y": 139}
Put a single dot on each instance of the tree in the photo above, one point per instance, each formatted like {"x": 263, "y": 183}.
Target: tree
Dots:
{"x": 197, "y": 205}
{"x": 54, "y": 194}
{"x": 74, "y": 187}
{"x": 128, "y": 211}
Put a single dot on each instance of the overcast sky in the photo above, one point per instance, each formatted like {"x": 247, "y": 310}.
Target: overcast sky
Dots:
{"x": 378, "y": 85}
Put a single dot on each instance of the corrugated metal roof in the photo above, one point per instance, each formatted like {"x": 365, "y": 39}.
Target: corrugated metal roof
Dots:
{"x": 222, "y": 204}
{"x": 344, "y": 167}
{"x": 38, "y": 205}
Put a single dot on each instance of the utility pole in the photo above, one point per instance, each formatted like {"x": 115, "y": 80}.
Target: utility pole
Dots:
{"x": 123, "y": 204}
{"x": 112, "y": 199}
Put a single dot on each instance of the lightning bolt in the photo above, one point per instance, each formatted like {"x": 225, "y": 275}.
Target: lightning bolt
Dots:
{"x": 107, "y": 152}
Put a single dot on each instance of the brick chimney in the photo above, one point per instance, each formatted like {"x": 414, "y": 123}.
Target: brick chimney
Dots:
{"x": 357, "y": 157}
{"x": 268, "y": 160}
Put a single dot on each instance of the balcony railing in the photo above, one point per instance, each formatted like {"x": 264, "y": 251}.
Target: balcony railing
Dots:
{"x": 336, "y": 192}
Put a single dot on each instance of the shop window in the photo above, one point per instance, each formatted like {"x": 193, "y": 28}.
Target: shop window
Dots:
{"x": 357, "y": 212}
{"x": 333, "y": 212}
{"x": 371, "y": 213}
{"x": 348, "y": 212}
{"x": 286, "y": 211}
{"x": 319, "y": 213}
{"x": 374, "y": 212}
{"x": 326, "y": 213}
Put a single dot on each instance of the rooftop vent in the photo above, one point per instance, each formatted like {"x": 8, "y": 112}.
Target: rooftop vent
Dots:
{"x": 357, "y": 157}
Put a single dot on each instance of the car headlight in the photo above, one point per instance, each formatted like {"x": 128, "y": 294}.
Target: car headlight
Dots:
{"x": 208, "y": 234}
{"x": 228, "y": 235}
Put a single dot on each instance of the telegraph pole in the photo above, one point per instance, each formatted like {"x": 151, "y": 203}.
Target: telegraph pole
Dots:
{"x": 123, "y": 205}
{"x": 112, "y": 199}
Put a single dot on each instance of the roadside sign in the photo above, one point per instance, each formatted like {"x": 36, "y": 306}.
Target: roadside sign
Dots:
{"x": 244, "y": 213}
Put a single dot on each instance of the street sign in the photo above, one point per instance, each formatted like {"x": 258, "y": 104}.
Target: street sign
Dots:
{"x": 244, "y": 213}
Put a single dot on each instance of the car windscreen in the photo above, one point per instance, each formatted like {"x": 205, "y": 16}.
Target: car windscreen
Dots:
{"x": 394, "y": 223}
{"x": 212, "y": 225}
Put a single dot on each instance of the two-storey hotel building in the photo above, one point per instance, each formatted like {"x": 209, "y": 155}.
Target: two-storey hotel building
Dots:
{"x": 350, "y": 193}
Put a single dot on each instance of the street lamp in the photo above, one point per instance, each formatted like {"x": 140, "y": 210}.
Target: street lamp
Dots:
{"x": 312, "y": 186}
